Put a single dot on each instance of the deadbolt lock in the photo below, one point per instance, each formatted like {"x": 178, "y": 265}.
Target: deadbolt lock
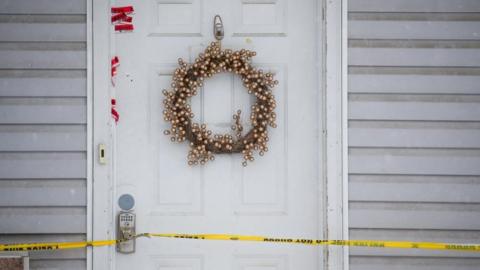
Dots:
{"x": 126, "y": 232}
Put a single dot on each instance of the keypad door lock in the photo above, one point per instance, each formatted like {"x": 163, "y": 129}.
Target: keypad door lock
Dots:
{"x": 126, "y": 232}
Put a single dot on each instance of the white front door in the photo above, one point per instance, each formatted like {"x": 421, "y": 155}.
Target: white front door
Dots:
{"x": 279, "y": 194}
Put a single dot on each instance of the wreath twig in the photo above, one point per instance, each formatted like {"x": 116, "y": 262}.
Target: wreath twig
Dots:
{"x": 186, "y": 81}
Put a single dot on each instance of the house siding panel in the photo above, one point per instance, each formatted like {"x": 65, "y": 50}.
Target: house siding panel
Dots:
{"x": 43, "y": 132}
{"x": 414, "y": 130}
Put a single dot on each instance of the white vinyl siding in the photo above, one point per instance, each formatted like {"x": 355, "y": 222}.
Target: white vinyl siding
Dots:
{"x": 43, "y": 133}
{"x": 414, "y": 130}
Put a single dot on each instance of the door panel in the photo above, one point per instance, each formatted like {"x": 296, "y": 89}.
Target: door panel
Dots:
{"x": 279, "y": 194}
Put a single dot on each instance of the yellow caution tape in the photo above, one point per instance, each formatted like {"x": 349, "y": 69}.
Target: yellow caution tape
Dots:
{"x": 56, "y": 245}
{"x": 229, "y": 237}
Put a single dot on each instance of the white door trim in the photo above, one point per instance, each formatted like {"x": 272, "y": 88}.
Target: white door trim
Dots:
{"x": 336, "y": 130}
{"x": 103, "y": 221}
{"x": 89, "y": 23}
{"x": 333, "y": 118}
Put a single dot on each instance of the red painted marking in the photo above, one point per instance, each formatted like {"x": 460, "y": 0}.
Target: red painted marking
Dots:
{"x": 115, "y": 114}
{"x": 125, "y": 9}
{"x": 121, "y": 17}
{"x": 124, "y": 27}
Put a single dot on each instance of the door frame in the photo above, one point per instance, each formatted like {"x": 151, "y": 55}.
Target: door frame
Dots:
{"x": 102, "y": 193}
{"x": 332, "y": 62}
{"x": 336, "y": 129}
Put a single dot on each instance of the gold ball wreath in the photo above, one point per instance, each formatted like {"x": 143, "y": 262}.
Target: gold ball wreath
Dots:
{"x": 186, "y": 81}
